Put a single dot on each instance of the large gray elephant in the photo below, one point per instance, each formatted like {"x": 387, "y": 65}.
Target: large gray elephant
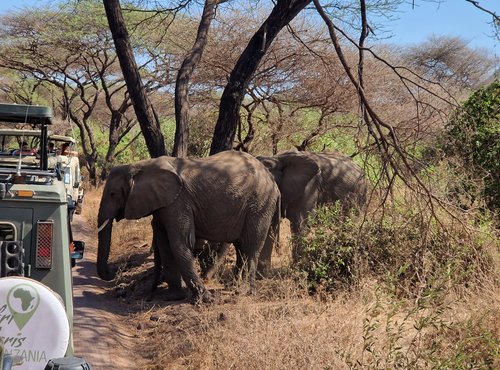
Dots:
{"x": 306, "y": 180}
{"x": 228, "y": 197}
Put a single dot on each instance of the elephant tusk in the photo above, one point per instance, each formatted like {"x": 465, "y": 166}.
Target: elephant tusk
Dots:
{"x": 103, "y": 225}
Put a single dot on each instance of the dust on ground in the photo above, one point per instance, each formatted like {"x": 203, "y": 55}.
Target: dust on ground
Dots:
{"x": 103, "y": 332}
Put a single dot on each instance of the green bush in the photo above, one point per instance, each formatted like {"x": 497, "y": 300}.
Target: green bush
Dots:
{"x": 329, "y": 252}
{"x": 407, "y": 253}
{"x": 473, "y": 135}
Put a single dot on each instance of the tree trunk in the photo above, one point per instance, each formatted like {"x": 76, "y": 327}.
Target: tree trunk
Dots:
{"x": 232, "y": 97}
{"x": 150, "y": 126}
{"x": 184, "y": 75}
{"x": 89, "y": 162}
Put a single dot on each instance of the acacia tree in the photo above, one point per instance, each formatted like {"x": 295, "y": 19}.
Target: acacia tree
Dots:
{"x": 449, "y": 60}
{"x": 298, "y": 91}
{"x": 183, "y": 77}
{"x": 297, "y": 96}
{"x": 232, "y": 98}
{"x": 430, "y": 98}
{"x": 73, "y": 59}
{"x": 20, "y": 88}
{"x": 384, "y": 91}
{"x": 188, "y": 66}
{"x": 229, "y": 110}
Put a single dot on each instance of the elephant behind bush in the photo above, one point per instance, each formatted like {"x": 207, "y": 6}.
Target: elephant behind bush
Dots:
{"x": 307, "y": 180}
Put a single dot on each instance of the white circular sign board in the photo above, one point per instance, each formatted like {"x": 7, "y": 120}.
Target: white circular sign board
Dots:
{"x": 33, "y": 322}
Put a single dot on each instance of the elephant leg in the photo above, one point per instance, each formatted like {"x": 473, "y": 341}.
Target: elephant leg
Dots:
{"x": 211, "y": 258}
{"x": 250, "y": 272}
{"x": 246, "y": 263}
{"x": 298, "y": 222}
{"x": 157, "y": 278}
{"x": 264, "y": 264}
{"x": 182, "y": 239}
{"x": 204, "y": 252}
{"x": 272, "y": 238}
{"x": 240, "y": 262}
{"x": 165, "y": 262}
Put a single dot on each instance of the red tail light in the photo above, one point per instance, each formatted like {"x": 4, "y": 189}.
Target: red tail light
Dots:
{"x": 44, "y": 239}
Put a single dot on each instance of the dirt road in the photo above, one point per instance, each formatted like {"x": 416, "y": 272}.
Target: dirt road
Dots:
{"x": 103, "y": 334}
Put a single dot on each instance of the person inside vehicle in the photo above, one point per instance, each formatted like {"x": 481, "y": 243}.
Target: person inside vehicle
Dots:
{"x": 52, "y": 148}
{"x": 65, "y": 149}
{"x": 23, "y": 150}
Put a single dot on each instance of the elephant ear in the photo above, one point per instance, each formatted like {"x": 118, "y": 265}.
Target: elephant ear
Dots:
{"x": 155, "y": 184}
{"x": 298, "y": 173}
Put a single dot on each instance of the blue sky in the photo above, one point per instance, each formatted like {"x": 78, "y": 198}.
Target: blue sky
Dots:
{"x": 451, "y": 17}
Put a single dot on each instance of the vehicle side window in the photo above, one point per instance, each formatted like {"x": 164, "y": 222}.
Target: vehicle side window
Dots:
{"x": 67, "y": 175}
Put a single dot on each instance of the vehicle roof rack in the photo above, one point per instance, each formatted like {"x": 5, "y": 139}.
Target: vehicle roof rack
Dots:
{"x": 68, "y": 139}
{"x": 22, "y": 113}
{"x": 35, "y": 133}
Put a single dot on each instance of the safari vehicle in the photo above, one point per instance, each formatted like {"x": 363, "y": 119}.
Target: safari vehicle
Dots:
{"x": 70, "y": 164}
{"x": 11, "y": 141}
{"x": 36, "y": 242}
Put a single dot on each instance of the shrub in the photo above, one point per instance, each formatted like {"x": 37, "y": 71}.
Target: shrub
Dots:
{"x": 473, "y": 135}
{"x": 409, "y": 254}
{"x": 329, "y": 252}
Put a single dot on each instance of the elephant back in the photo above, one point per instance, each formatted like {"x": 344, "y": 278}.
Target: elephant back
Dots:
{"x": 341, "y": 179}
{"x": 233, "y": 177}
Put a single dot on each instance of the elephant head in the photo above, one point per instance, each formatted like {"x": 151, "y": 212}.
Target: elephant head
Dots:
{"x": 132, "y": 192}
{"x": 295, "y": 174}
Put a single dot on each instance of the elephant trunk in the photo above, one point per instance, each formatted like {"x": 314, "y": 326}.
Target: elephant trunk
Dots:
{"x": 105, "y": 231}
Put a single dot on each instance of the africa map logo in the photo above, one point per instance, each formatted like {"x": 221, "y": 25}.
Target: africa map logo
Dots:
{"x": 23, "y": 301}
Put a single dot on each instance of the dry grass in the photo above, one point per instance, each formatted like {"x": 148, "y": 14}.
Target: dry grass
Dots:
{"x": 283, "y": 327}
{"x": 352, "y": 331}
{"x": 244, "y": 332}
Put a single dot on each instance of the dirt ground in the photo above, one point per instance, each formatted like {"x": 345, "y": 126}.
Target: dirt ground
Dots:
{"x": 103, "y": 332}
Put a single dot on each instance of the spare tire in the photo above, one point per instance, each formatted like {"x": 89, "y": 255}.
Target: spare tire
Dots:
{"x": 33, "y": 322}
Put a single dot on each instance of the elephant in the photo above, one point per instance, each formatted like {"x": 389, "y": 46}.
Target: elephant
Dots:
{"x": 228, "y": 197}
{"x": 307, "y": 180}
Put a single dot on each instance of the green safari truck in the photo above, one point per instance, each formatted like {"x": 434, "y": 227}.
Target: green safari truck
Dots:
{"x": 35, "y": 232}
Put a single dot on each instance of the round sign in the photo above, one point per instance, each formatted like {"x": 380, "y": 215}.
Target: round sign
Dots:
{"x": 33, "y": 322}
